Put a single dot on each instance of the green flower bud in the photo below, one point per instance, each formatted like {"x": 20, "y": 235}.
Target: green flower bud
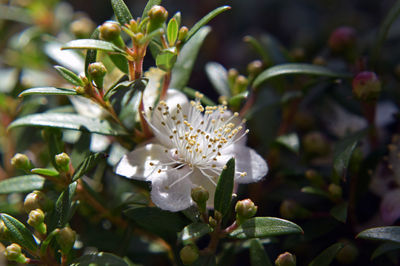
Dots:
{"x": 189, "y": 254}
{"x": 348, "y": 254}
{"x": 82, "y": 27}
{"x": 66, "y": 238}
{"x": 62, "y": 160}
{"x": 110, "y": 31}
{"x": 36, "y": 220}
{"x": 21, "y": 161}
{"x": 200, "y": 195}
{"x": 315, "y": 144}
{"x": 97, "y": 71}
{"x": 183, "y": 31}
{"x": 240, "y": 85}
{"x": 232, "y": 75}
{"x": 286, "y": 259}
{"x": 366, "y": 86}
{"x": 35, "y": 200}
{"x": 255, "y": 67}
{"x": 158, "y": 15}
{"x": 342, "y": 39}
{"x": 245, "y": 209}
{"x": 335, "y": 192}
{"x": 13, "y": 252}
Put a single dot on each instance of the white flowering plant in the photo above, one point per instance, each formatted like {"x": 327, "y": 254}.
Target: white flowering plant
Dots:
{"x": 128, "y": 165}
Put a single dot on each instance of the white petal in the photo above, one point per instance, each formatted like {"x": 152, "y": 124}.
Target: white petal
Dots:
{"x": 390, "y": 206}
{"x": 99, "y": 143}
{"x": 198, "y": 179}
{"x": 247, "y": 160}
{"x": 136, "y": 164}
{"x": 86, "y": 107}
{"x": 172, "y": 198}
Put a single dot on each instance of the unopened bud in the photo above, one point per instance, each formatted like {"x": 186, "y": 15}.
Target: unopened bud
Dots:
{"x": 200, "y": 195}
{"x": 97, "y": 71}
{"x": 66, "y": 238}
{"x": 245, "y": 209}
{"x": 183, "y": 31}
{"x": 189, "y": 254}
{"x": 110, "y": 31}
{"x": 158, "y": 15}
{"x": 315, "y": 178}
{"x": 335, "y": 192}
{"x": 315, "y": 144}
{"x": 35, "y": 200}
{"x": 286, "y": 259}
{"x": 240, "y": 85}
{"x": 14, "y": 253}
{"x": 255, "y": 67}
{"x": 82, "y": 27}
{"x": 232, "y": 75}
{"x": 366, "y": 86}
{"x": 21, "y": 161}
{"x": 342, "y": 39}
{"x": 62, "y": 160}
{"x": 36, "y": 220}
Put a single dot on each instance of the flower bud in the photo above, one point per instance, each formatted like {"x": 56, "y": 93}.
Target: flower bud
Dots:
{"x": 335, "y": 192}
{"x": 245, "y": 209}
{"x": 286, "y": 259}
{"x": 36, "y": 220}
{"x": 315, "y": 144}
{"x": 189, "y": 254}
{"x": 35, "y": 200}
{"x": 109, "y": 31}
{"x": 366, "y": 86}
{"x": 240, "y": 85}
{"x": 21, "y": 161}
{"x": 13, "y": 252}
{"x": 97, "y": 71}
{"x": 82, "y": 27}
{"x": 66, "y": 238}
{"x": 342, "y": 39}
{"x": 200, "y": 195}
{"x": 62, "y": 160}
{"x": 183, "y": 31}
{"x": 232, "y": 75}
{"x": 255, "y": 67}
{"x": 158, "y": 15}
{"x": 348, "y": 254}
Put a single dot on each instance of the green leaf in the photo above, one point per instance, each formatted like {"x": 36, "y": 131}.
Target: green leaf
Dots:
{"x": 148, "y": 6}
{"x": 327, "y": 256}
{"x": 45, "y": 172}
{"x": 93, "y": 44}
{"x": 172, "y": 31}
{"x": 69, "y": 121}
{"x": 120, "y": 61}
{"x": 258, "y": 256}
{"x": 162, "y": 223}
{"x": 256, "y": 45}
{"x": 69, "y": 76}
{"x": 166, "y": 59}
{"x": 295, "y": 69}
{"x": 186, "y": 58}
{"x": 99, "y": 258}
{"x": 26, "y": 183}
{"x": 237, "y": 100}
{"x": 384, "y": 248}
{"x": 121, "y": 11}
{"x": 91, "y": 54}
{"x": 194, "y": 231}
{"x": 224, "y": 189}
{"x": 62, "y": 211}
{"x": 88, "y": 164}
{"x": 18, "y": 232}
{"x": 268, "y": 48}
{"x": 202, "y": 22}
{"x": 47, "y": 91}
{"x": 315, "y": 191}
{"x": 290, "y": 141}
{"x": 55, "y": 145}
{"x": 117, "y": 87}
{"x": 218, "y": 76}
{"x": 192, "y": 93}
{"x": 384, "y": 233}
{"x": 261, "y": 227}
{"x": 343, "y": 151}
{"x": 339, "y": 212}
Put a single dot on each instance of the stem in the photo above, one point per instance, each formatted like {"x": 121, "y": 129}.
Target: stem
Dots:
{"x": 145, "y": 127}
{"x": 166, "y": 82}
{"x": 138, "y": 68}
{"x": 131, "y": 70}
{"x": 369, "y": 109}
{"x": 249, "y": 103}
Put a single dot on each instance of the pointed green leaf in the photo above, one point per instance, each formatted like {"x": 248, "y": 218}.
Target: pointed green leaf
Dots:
{"x": 384, "y": 233}
{"x": 258, "y": 256}
{"x": 121, "y": 11}
{"x": 45, "y": 172}
{"x": 93, "y": 44}
{"x": 166, "y": 59}
{"x": 218, "y": 76}
{"x": 384, "y": 248}
{"x": 47, "y": 91}
{"x": 62, "y": 211}
{"x": 261, "y": 227}
{"x": 69, "y": 76}
{"x": 18, "y": 232}
{"x": 99, "y": 258}
{"x": 69, "y": 121}
{"x": 14, "y": 13}
{"x": 202, "y": 22}
{"x": 295, "y": 69}
{"x": 194, "y": 231}
{"x": 339, "y": 212}
{"x": 26, "y": 183}
{"x": 326, "y": 257}
{"x": 148, "y": 6}
{"x": 120, "y": 61}
{"x": 224, "y": 189}
{"x": 268, "y": 48}
{"x": 88, "y": 164}
{"x": 186, "y": 58}
{"x": 172, "y": 31}
{"x": 315, "y": 191}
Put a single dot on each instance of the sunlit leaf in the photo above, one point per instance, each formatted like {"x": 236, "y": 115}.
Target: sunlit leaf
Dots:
{"x": 18, "y": 232}
{"x": 224, "y": 190}
{"x": 26, "y": 183}
{"x": 384, "y": 233}
{"x": 47, "y": 91}
{"x": 121, "y": 11}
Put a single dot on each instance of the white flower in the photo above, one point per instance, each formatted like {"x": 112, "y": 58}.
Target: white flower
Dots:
{"x": 191, "y": 146}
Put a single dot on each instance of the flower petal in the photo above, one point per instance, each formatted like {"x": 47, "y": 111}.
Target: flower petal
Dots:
{"x": 249, "y": 161}
{"x": 176, "y": 197}
{"x": 390, "y": 206}
{"x": 136, "y": 164}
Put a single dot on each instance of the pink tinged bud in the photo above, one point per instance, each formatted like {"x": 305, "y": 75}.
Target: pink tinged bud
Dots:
{"x": 245, "y": 209}
{"x": 109, "y": 31}
{"x": 342, "y": 38}
{"x": 366, "y": 86}
{"x": 286, "y": 259}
